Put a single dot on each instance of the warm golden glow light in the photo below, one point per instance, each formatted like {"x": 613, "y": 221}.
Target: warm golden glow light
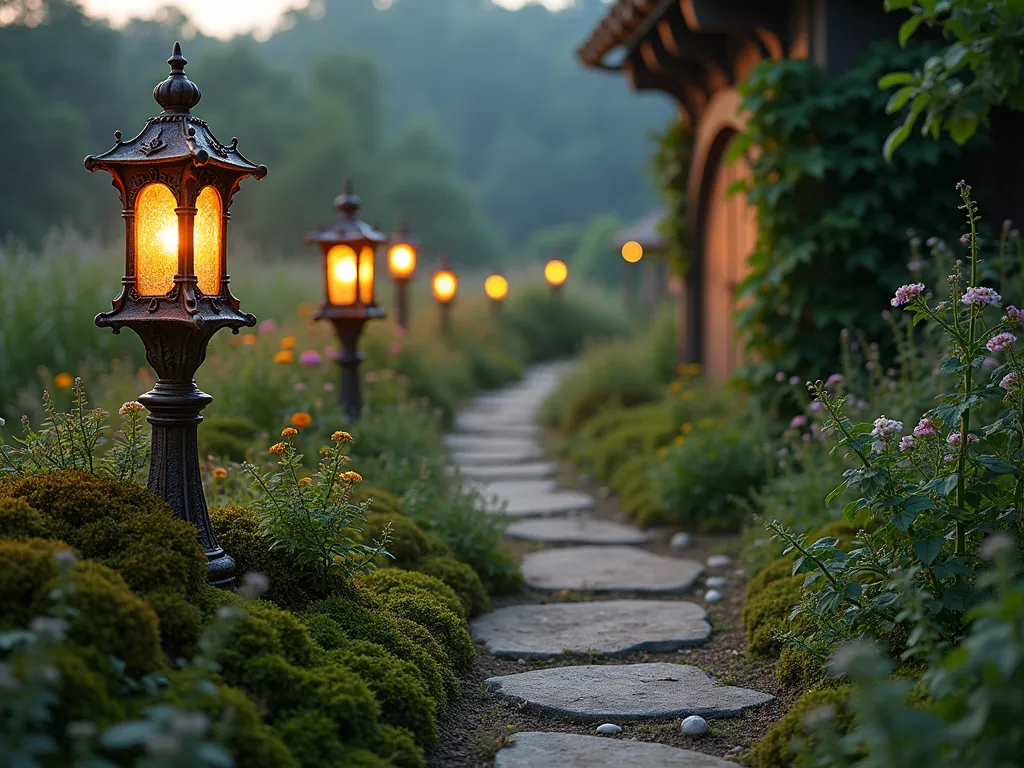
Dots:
{"x": 401, "y": 260}
{"x": 366, "y": 275}
{"x": 341, "y": 275}
{"x": 555, "y": 272}
{"x": 632, "y": 252}
{"x": 496, "y": 287}
{"x": 206, "y": 241}
{"x": 444, "y": 286}
{"x": 156, "y": 240}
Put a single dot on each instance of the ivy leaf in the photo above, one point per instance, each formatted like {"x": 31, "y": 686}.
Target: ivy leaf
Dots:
{"x": 928, "y": 549}
{"x": 952, "y": 567}
{"x": 951, "y": 365}
{"x": 996, "y": 464}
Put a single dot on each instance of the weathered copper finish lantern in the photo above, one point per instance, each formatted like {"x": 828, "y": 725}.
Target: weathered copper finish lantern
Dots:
{"x": 496, "y": 288}
{"x": 349, "y": 246}
{"x": 402, "y": 265}
{"x": 176, "y": 183}
{"x": 444, "y": 285}
{"x": 556, "y": 273}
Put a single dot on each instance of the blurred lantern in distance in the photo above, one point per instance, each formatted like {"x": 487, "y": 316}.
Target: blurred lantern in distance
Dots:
{"x": 402, "y": 265}
{"x": 444, "y": 285}
{"x": 632, "y": 252}
{"x": 555, "y": 272}
{"x": 496, "y": 287}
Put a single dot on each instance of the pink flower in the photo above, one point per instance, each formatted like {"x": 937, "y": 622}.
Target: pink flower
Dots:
{"x": 780, "y": 377}
{"x": 905, "y": 293}
{"x": 1000, "y": 341}
{"x": 834, "y": 379}
{"x": 300, "y": 386}
{"x": 924, "y": 427}
{"x": 328, "y": 386}
{"x": 990, "y": 362}
{"x": 1009, "y": 381}
{"x": 949, "y": 457}
{"x": 1014, "y": 314}
{"x": 782, "y": 452}
{"x": 906, "y": 443}
{"x": 798, "y": 421}
{"x": 885, "y": 427}
{"x": 331, "y": 353}
{"x": 981, "y": 295}
{"x": 816, "y": 405}
{"x": 394, "y": 348}
{"x": 267, "y": 326}
{"x": 794, "y": 380}
{"x": 954, "y": 438}
{"x": 310, "y": 358}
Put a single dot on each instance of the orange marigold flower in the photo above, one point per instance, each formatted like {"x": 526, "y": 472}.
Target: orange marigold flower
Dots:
{"x": 220, "y": 473}
{"x": 284, "y": 356}
{"x": 341, "y": 437}
{"x": 351, "y": 477}
{"x": 249, "y": 340}
{"x": 63, "y": 381}
{"x": 301, "y": 419}
{"x": 288, "y": 342}
{"x": 289, "y": 431}
{"x": 306, "y": 482}
{"x": 278, "y": 448}
{"x": 305, "y": 310}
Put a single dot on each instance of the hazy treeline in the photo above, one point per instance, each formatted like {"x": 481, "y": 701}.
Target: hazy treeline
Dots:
{"x": 473, "y": 121}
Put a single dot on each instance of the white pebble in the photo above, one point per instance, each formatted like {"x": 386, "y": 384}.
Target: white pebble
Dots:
{"x": 740, "y": 572}
{"x": 737, "y": 750}
{"x": 712, "y": 596}
{"x": 719, "y": 561}
{"x": 609, "y": 729}
{"x": 520, "y": 661}
{"x": 695, "y": 725}
{"x": 717, "y": 581}
{"x": 681, "y": 540}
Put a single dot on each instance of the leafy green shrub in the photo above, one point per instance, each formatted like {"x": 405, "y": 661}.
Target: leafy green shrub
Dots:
{"x": 123, "y": 526}
{"x": 19, "y": 520}
{"x": 108, "y": 616}
{"x": 407, "y": 543}
{"x": 696, "y": 481}
{"x": 226, "y": 437}
{"x": 777, "y": 748}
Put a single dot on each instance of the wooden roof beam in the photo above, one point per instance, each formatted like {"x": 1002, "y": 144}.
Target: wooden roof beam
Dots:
{"x": 762, "y": 22}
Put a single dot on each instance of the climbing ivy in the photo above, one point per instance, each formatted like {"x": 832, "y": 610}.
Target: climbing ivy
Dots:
{"x": 833, "y": 216}
{"x": 671, "y": 166}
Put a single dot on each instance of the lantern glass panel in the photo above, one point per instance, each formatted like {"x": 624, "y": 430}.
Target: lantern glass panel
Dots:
{"x": 341, "y": 275}
{"x": 444, "y": 286}
{"x": 156, "y": 240}
{"x": 402, "y": 260}
{"x": 496, "y": 287}
{"x": 206, "y": 239}
{"x": 366, "y": 275}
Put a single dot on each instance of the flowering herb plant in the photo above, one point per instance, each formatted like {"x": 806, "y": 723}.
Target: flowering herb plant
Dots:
{"x": 931, "y": 491}
{"x": 312, "y": 516}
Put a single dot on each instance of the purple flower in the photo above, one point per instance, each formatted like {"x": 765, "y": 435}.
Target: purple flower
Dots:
{"x": 310, "y": 358}
{"x": 331, "y": 353}
{"x": 816, "y": 405}
{"x": 834, "y": 379}
{"x": 885, "y": 427}
{"x": 990, "y": 362}
{"x": 328, "y": 386}
{"x": 965, "y": 239}
{"x": 1000, "y": 341}
{"x": 300, "y": 386}
{"x": 949, "y": 457}
{"x": 924, "y": 427}
{"x": 963, "y": 186}
{"x": 906, "y": 443}
{"x": 1009, "y": 381}
{"x": 794, "y": 380}
{"x": 798, "y": 421}
{"x": 780, "y": 376}
{"x": 932, "y": 241}
{"x": 1014, "y": 315}
{"x": 954, "y": 438}
{"x": 981, "y": 295}
{"x": 915, "y": 266}
{"x": 782, "y": 452}
{"x": 267, "y": 326}
{"x": 905, "y": 293}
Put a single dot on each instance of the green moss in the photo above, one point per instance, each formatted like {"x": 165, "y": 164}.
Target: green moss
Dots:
{"x": 20, "y": 520}
{"x": 775, "y": 750}
{"x": 397, "y": 686}
{"x": 779, "y": 569}
{"x": 767, "y": 612}
{"x": 226, "y": 437}
{"x": 381, "y": 502}
{"x": 397, "y": 747}
{"x": 325, "y": 631}
{"x": 391, "y": 581}
{"x": 461, "y": 578}
{"x": 312, "y": 739}
{"x": 123, "y": 526}
{"x": 362, "y": 622}
{"x": 444, "y": 626}
{"x": 407, "y": 544}
{"x": 86, "y": 688}
{"x": 798, "y": 668}
{"x": 238, "y": 531}
{"x": 108, "y": 615}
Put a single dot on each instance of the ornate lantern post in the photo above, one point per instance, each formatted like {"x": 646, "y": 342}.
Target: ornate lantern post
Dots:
{"x": 444, "y": 285}
{"x": 555, "y": 272}
{"x": 402, "y": 265}
{"x": 349, "y": 246}
{"x": 176, "y": 183}
{"x": 496, "y": 288}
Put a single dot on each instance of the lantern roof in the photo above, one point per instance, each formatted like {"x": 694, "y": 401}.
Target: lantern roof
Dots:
{"x": 176, "y": 134}
{"x": 645, "y": 231}
{"x": 402, "y": 235}
{"x": 347, "y": 227}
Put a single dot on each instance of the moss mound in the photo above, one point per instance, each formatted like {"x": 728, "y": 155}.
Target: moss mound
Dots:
{"x": 122, "y": 526}
{"x": 775, "y": 750}
{"x": 769, "y": 611}
{"x": 108, "y": 616}
{"x": 395, "y": 581}
{"x": 461, "y": 578}
{"x": 443, "y": 625}
{"x": 798, "y": 668}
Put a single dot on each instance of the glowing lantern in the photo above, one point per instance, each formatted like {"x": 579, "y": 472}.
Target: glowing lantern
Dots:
{"x": 555, "y": 272}
{"x": 632, "y": 252}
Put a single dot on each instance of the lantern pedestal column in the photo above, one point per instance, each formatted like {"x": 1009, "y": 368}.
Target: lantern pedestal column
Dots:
{"x": 175, "y": 350}
{"x": 402, "y": 303}
{"x": 446, "y": 318}
{"x": 348, "y": 330}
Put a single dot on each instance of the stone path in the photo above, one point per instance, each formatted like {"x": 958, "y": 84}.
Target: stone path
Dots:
{"x": 496, "y": 445}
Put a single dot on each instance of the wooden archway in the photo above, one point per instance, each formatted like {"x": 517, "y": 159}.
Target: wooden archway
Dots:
{"x": 724, "y": 233}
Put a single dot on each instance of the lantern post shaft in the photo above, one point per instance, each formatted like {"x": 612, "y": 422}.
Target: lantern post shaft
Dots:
{"x": 402, "y": 303}
{"x": 446, "y": 318}
{"x": 348, "y": 330}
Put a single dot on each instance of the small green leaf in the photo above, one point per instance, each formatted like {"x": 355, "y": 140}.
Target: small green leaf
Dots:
{"x": 908, "y": 28}
{"x": 928, "y": 549}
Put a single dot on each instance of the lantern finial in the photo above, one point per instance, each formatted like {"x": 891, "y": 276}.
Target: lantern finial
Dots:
{"x": 177, "y": 94}
{"x": 348, "y": 202}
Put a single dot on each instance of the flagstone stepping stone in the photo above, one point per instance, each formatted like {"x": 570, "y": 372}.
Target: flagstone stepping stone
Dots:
{"x": 611, "y": 627}
{"x": 533, "y": 749}
{"x": 483, "y": 424}
{"x": 557, "y": 502}
{"x": 507, "y": 489}
{"x": 576, "y": 530}
{"x": 530, "y": 471}
{"x": 497, "y": 456}
{"x": 609, "y": 569}
{"x": 601, "y": 692}
{"x": 485, "y": 443}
